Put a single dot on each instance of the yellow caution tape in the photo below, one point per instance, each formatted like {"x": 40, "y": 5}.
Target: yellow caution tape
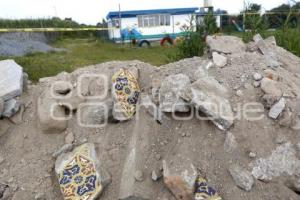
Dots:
{"x": 3, "y": 30}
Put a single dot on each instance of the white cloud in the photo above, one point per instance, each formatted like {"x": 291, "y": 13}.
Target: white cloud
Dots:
{"x": 92, "y": 11}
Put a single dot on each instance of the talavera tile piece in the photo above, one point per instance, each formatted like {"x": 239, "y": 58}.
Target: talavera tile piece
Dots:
{"x": 125, "y": 92}
{"x": 80, "y": 175}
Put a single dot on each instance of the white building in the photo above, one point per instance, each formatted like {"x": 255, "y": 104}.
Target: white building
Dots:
{"x": 150, "y": 25}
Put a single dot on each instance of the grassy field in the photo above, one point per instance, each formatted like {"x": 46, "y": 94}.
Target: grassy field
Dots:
{"x": 83, "y": 52}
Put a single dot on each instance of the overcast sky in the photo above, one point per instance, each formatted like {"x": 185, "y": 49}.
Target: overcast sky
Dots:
{"x": 92, "y": 11}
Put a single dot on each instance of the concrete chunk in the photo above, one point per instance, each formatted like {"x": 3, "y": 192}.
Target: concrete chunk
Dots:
{"x": 219, "y": 60}
{"x": 209, "y": 97}
{"x": 225, "y": 44}
{"x": 277, "y": 109}
{"x": 180, "y": 178}
{"x": 271, "y": 87}
{"x": 170, "y": 90}
{"x": 241, "y": 177}
{"x": 11, "y": 107}
{"x": 11, "y": 79}
{"x": 265, "y": 50}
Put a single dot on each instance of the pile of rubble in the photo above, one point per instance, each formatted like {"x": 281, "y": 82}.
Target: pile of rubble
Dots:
{"x": 21, "y": 44}
{"x": 224, "y": 126}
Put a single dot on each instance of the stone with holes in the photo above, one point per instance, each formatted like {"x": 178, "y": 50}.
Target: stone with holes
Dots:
{"x": 51, "y": 115}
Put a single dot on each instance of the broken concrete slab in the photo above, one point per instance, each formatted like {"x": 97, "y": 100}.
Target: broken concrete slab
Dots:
{"x": 80, "y": 173}
{"x": 125, "y": 93}
{"x": 170, "y": 90}
{"x": 206, "y": 85}
{"x": 209, "y": 97}
{"x": 225, "y": 44}
{"x": 241, "y": 177}
{"x": 11, "y": 79}
{"x": 11, "y": 107}
{"x": 277, "y": 109}
{"x": 52, "y": 115}
{"x": 283, "y": 160}
{"x": 219, "y": 60}
{"x": 180, "y": 179}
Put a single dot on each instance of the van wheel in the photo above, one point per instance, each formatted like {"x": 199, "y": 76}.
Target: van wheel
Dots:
{"x": 144, "y": 43}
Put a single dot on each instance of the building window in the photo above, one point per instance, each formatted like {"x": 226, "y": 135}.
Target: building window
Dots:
{"x": 154, "y": 20}
{"x": 115, "y": 23}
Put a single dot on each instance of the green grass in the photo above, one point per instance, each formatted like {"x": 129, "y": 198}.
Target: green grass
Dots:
{"x": 83, "y": 52}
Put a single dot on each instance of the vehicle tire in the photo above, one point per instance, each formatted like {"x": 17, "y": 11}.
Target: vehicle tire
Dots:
{"x": 167, "y": 39}
{"x": 141, "y": 44}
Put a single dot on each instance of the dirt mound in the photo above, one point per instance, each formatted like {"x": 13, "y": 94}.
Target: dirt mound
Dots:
{"x": 159, "y": 155}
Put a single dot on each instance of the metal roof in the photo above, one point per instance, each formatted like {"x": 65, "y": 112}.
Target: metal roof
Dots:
{"x": 134, "y": 13}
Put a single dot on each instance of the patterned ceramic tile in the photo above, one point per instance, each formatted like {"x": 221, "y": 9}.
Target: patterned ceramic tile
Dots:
{"x": 126, "y": 91}
{"x": 204, "y": 192}
{"x": 79, "y": 179}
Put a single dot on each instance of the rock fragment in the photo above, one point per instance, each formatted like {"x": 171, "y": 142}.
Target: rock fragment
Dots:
{"x": 83, "y": 172}
{"x": 156, "y": 175}
{"x": 180, "y": 179}
{"x": 257, "y": 76}
{"x": 277, "y": 109}
{"x": 286, "y": 118}
{"x": 266, "y": 51}
{"x": 271, "y": 87}
{"x": 230, "y": 143}
{"x": 241, "y": 177}
{"x": 11, "y": 107}
{"x": 219, "y": 60}
{"x": 256, "y": 84}
{"x": 139, "y": 176}
{"x": 170, "y": 90}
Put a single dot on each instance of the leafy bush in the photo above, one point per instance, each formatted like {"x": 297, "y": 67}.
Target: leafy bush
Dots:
{"x": 192, "y": 42}
{"x": 289, "y": 39}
